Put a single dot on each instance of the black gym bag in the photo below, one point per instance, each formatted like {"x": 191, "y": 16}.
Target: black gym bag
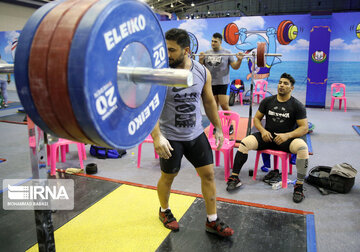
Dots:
{"x": 337, "y": 179}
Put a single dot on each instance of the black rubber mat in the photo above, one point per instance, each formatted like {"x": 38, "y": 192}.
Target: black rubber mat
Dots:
{"x": 17, "y": 118}
{"x": 256, "y": 229}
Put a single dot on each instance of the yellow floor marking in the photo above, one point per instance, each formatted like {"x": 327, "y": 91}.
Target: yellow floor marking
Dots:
{"x": 125, "y": 220}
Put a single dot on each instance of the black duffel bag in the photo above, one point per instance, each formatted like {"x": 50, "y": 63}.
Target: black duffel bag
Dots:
{"x": 337, "y": 179}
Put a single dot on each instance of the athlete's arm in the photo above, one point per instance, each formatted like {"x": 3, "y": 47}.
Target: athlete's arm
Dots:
{"x": 211, "y": 109}
{"x": 301, "y": 130}
{"x": 265, "y": 135}
{"x": 161, "y": 144}
{"x": 236, "y": 64}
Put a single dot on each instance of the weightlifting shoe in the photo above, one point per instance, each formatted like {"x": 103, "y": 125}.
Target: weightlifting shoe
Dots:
{"x": 233, "y": 183}
{"x": 168, "y": 219}
{"x": 270, "y": 175}
{"x": 219, "y": 228}
{"x": 231, "y": 129}
{"x": 298, "y": 194}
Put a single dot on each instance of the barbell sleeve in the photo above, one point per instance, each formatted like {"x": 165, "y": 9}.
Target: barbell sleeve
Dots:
{"x": 6, "y": 68}
{"x": 162, "y": 76}
{"x": 145, "y": 75}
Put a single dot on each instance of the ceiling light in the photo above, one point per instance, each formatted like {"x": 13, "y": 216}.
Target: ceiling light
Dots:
{"x": 171, "y": 5}
{"x": 192, "y": 4}
{"x": 209, "y": 12}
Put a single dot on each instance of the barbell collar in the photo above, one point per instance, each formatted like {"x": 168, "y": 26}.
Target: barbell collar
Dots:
{"x": 162, "y": 76}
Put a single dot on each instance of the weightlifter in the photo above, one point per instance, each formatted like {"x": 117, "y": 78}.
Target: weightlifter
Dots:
{"x": 285, "y": 128}
{"x": 179, "y": 133}
{"x": 219, "y": 67}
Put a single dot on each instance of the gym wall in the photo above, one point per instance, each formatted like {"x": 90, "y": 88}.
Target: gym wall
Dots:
{"x": 343, "y": 56}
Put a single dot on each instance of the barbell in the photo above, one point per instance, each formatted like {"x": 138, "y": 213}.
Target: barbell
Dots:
{"x": 286, "y": 32}
{"x": 260, "y": 54}
{"x": 82, "y": 69}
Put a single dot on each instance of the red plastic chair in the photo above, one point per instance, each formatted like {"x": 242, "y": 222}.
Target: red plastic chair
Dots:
{"x": 260, "y": 89}
{"x": 148, "y": 139}
{"x": 227, "y": 118}
{"x": 338, "y": 93}
{"x": 285, "y": 160}
{"x": 53, "y": 154}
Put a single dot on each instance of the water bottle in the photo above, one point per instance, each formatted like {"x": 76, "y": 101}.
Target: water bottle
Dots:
{"x": 276, "y": 186}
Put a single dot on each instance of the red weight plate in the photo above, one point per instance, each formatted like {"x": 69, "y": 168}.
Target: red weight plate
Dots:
{"x": 57, "y": 69}
{"x": 38, "y": 68}
{"x": 280, "y": 31}
{"x": 260, "y": 54}
{"x": 231, "y": 34}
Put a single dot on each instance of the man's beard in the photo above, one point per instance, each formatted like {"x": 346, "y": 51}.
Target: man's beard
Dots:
{"x": 177, "y": 62}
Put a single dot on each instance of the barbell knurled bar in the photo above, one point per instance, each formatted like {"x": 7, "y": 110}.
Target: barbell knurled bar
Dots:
{"x": 259, "y": 55}
{"x": 234, "y": 54}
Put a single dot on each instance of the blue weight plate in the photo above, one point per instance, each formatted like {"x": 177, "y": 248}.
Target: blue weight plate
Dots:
{"x": 21, "y": 66}
{"x": 112, "y": 113}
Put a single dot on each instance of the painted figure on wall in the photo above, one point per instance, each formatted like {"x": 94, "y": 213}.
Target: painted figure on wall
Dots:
{"x": 247, "y": 41}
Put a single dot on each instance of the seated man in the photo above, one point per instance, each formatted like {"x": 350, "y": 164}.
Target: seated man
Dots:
{"x": 285, "y": 129}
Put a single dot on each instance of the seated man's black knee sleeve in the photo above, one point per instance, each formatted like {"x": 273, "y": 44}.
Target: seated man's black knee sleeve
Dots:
{"x": 240, "y": 159}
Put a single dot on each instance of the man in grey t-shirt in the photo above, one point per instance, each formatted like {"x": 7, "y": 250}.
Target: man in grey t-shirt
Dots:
{"x": 218, "y": 66}
{"x": 4, "y": 81}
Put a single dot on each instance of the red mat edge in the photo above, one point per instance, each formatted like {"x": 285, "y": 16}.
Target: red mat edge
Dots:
{"x": 282, "y": 209}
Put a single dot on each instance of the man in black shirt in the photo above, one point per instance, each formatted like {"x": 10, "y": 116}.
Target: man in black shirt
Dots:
{"x": 285, "y": 128}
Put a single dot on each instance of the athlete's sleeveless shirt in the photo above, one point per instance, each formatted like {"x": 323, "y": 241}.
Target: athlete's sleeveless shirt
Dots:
{"x": 181, "y": 117}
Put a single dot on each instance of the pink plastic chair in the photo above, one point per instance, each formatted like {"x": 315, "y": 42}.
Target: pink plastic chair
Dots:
{"x": 260, "y": 89}
{"x": 285, "y": 160}
{"x": 53, "y": 154}
{"x": 227, "y": 118}
{"x": 148, "y": 139}
{"x": 339, "y": 94}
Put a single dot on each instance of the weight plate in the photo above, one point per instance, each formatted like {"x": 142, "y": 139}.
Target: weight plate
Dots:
{"x": 38, "y": 68}
{"x": 286, "y": 33}
{"x": 293, "y": 32}
{"x": 231, "y": 34}
{"x": 21, "y": 65}
{"x": 102, "y": 39}
{"x": 57, "y": 60}
{"x": 260, "y": 54}
{"x": 280, "y": 32}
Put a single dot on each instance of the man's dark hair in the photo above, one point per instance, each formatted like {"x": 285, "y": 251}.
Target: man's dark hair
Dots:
{"x": 217, "y": 35}
{"x": 289, "y": 77}
{"x": 180, "y": 36}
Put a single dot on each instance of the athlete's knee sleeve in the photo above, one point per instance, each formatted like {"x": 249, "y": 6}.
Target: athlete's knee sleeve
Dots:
{"x": 300, "y": 148}
{"x": 240, "y": 159}
{"x": 248, "y": 143}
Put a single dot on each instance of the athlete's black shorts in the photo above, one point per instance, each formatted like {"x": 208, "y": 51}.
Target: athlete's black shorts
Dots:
{"x": 285, "y": 146}
{"x": 220, "y": 89}
{"x": 197, "y": 151}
